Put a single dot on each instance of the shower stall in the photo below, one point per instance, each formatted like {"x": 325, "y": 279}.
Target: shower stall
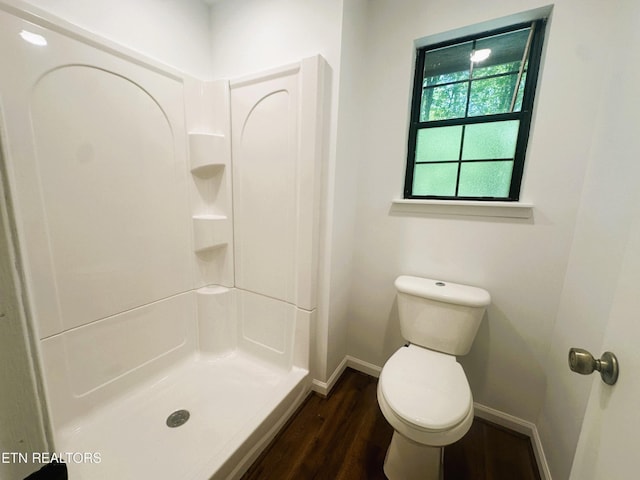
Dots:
{"x": 167, "y": 231}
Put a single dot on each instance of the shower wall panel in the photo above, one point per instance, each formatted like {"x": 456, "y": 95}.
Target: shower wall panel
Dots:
{"x": 97, "y": 167}
{"x": 265, "y": 133}
{"x": 275, "y": 125}
{"x": 86, "y": 368}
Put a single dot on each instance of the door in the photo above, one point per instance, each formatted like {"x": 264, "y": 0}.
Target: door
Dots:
{"x": 608, "y": 444}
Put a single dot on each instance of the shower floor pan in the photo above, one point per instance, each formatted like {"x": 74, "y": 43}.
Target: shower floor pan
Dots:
{"x": 235, "y": 406}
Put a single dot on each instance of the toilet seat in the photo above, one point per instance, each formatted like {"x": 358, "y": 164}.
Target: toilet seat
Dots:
{"x": 426, "y": 390}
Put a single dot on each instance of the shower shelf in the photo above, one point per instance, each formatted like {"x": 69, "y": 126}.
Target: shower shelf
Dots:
{"x": 207, "y": 171}
{"x": 210, "y": 231}
{"x": 207, "y": 151}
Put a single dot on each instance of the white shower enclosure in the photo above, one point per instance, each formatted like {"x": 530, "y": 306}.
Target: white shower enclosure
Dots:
{"x": 168, "y": 238}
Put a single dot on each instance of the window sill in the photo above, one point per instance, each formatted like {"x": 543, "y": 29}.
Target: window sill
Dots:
{"x": 463, "y": 207}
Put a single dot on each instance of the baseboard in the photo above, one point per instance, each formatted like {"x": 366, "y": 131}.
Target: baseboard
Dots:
{"x": 323, "y": 388}
{"x": 521, "y": 426}
{"x": 362, "y": 366}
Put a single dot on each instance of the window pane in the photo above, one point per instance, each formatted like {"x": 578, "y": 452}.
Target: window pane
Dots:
{"x": 447, "y": 64}
{"x": 435, "y": 179}
{"x": 444, "y": 102}
{"x": 492, "y": 95}
{"x": 506, "y": 48}
{"x": 438, "y": 144}
{"x": 484, "y": 141}
{"x": 485, "y": 179}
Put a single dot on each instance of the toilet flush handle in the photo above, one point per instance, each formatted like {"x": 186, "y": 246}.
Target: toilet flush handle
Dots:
{"x": 582, "y": 362}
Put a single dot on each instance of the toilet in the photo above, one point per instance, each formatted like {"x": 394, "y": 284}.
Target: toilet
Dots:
{"x": 423, "y": 391}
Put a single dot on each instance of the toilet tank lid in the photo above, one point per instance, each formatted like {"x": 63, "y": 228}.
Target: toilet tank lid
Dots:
{"x": 441, "y": 291}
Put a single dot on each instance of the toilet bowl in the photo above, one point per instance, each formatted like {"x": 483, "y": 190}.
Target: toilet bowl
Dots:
{"x": 425, "y": 396}
{"x": 423, "y": 391}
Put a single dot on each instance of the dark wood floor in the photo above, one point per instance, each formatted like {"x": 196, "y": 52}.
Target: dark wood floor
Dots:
{"x": 345, "y": 437}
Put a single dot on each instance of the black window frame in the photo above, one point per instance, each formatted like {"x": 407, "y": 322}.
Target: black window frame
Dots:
{"x": 524, "y": 115}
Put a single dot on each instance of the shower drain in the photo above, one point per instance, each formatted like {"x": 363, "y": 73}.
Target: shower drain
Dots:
{"x": 177, "y": 418}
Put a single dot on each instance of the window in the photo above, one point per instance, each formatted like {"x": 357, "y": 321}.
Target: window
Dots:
{"x": 471, "y": 113}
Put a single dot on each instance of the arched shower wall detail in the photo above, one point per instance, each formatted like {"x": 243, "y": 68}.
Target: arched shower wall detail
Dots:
{"x": 276, "y": 138}
{"x": 277, "y": 121}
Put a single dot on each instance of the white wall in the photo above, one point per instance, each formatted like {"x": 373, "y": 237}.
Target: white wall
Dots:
{"x": 348, "y": 157}
{"x": 249, "y": 36}
{"x": 522, "y": 263}
{"x": 253, "y": 35}
{"x": 174, "y": 32}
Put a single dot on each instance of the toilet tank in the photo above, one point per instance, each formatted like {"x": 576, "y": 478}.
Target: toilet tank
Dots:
{"x": 441, "y": 316}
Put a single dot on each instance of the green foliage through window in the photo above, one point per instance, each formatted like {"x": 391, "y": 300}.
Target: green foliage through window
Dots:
{"x": 471, "y": 114}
